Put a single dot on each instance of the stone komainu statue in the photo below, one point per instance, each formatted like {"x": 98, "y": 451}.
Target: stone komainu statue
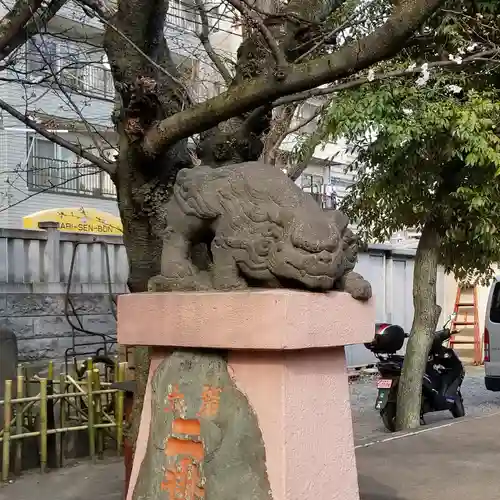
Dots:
{"x": 262, "y": 231}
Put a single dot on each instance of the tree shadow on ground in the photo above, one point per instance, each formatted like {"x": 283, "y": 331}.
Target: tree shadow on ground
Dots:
{"x": 370, "y": 489}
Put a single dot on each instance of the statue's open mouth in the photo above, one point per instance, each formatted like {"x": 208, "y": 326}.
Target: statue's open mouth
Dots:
{"x": 305, "y": 274}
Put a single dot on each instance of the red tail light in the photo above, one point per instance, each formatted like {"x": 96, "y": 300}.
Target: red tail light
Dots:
{"x": 381, "y": 327}
{"x": 486, "y": 343}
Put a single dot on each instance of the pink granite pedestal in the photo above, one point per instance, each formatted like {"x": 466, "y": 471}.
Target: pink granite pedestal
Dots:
{"x": 286, "y": 354}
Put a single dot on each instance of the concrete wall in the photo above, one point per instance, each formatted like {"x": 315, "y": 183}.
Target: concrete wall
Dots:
{"x": 390, "y": 272}
{"x": 34, "y": 277}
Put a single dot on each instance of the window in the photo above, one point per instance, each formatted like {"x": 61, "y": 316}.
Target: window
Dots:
{"x": 215, "y": 13}
{"x": 43, "y": 168}
{"x": 312, "y": 183}
{"x": 181, "y": 13}
{"x": 99, "y": 80}
{"x": 72, "y": 69}
{"x": 306, "y": 111}
{"x": 72, "y": 64}
{"x": 495, "y": 305}
{"x": 41, "y": 56}
{"x": 55, "y": 169}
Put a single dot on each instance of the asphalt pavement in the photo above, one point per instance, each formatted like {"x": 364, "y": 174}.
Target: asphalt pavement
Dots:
{"x": 454, "y": 460}
{"x": 447, "y": 459}
{"x": 368, "y": 425}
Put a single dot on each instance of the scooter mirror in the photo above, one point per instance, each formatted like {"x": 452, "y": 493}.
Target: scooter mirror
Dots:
{"x": 451, "y": 317}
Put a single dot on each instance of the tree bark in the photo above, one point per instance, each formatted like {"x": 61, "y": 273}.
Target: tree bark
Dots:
{"x": 277, "y": 133}
{"x": 144, "y": 94}
{"x": 425, "y": 320}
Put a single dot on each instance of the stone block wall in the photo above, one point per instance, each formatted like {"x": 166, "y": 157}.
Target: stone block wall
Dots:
{"x": 42, "y": 329}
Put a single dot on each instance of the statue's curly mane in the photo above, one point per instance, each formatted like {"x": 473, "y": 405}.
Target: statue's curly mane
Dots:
{"x": 237, "y": 193}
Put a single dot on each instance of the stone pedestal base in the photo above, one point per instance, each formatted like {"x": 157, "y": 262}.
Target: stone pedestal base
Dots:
{"x": 286, "y": 355}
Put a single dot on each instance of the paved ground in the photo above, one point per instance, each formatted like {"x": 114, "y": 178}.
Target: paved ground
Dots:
{"x": 85, "y": 481}
{"x": 367, "y": 424}
{"x": 448, "y": 459}
{"x": 452, "y": 460}
{"x": 455, "y": 460}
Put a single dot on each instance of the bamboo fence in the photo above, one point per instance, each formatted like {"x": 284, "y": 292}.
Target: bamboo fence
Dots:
{"x": 84, "y": 405}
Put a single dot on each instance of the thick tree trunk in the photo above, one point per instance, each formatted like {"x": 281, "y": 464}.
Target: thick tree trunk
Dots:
{"x": 144, "y": 94}
{"x": 425, "y": 320}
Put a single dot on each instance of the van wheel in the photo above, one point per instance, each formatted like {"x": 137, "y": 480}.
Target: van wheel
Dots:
{"x": 388, "y": 415}
{"x": 458, "y": 410}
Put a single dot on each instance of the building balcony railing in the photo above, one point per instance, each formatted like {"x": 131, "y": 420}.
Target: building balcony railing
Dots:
{"x": 321, "y": 193}
{"x": 61, "y": 176}
{"x": 326, "y": 201}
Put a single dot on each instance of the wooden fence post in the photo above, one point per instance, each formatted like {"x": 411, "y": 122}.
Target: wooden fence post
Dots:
{"x": 18, "y": 462}
{"x": 99, "y": 433}
{"x": 120, "y": 395}
{"x": 7, "y": 414}
{"x": 43, "y": 424}
{"x": 90, "y": 408}
{"x": 62, "y": 418}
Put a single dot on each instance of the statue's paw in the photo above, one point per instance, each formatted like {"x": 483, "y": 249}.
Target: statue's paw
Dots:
{"x": 179, "y": 270}
{"x": 199, "y": 282}
{"x": 226, "y": 282}
{"x": 159, "y": 284}
{"x": 360, "y": 289}
{"x": 355, "y": 285}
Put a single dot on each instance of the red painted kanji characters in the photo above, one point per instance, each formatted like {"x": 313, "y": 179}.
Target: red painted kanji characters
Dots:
{"x": 210, "y": 401}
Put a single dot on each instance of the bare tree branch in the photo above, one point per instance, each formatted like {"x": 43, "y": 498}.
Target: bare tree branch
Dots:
{"x": 381, "y": 44}
{"x": 96, "y": 7}
{"x": 328, "y": 36}
{"x": 256, "y": 19}
{"x": 78, "y": 150}
{"x": 50, "y": 84}
{"x": 45, "y": 189}
{"x": 486, "y": 56}
{"x": 30, "y": 28}
{"x": 296, "y": 170}
{"x": 304, "y": 122}
{"x": 277, "y": 132}
{"x": 91, "y": 131}
{"x": 203, "y": 35}
{"x": 21, "y": 12}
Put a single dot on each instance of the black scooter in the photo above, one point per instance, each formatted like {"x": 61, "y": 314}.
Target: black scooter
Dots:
{"x": 443, "y": 376}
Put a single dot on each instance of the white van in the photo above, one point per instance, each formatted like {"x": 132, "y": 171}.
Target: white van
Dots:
{"x": 491, "y": 339}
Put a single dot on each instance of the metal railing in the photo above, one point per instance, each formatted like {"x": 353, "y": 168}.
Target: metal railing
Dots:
{"x": 87, "y": 404}
{"x": 61, "y": 176}
{"x": 327, "y": 202}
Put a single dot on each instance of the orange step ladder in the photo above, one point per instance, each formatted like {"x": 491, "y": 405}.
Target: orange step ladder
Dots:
{"x": 465, "y": 340}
